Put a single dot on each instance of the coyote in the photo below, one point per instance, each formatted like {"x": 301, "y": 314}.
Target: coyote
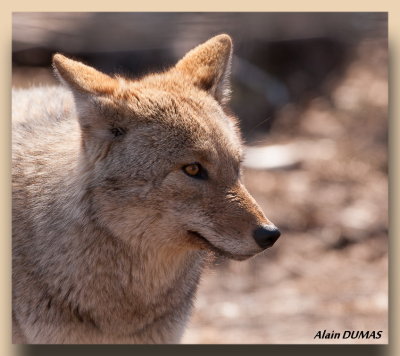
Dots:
{"x": 122, "y": 190}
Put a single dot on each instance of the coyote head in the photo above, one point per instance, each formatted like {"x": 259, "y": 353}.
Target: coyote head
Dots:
{"x": 162, "y": 155}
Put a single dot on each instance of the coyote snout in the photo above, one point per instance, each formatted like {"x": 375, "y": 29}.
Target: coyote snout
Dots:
{"x": 235, "y": 227}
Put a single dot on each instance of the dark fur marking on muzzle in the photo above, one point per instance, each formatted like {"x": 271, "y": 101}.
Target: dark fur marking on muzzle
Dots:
{"x": 208, "y": 245}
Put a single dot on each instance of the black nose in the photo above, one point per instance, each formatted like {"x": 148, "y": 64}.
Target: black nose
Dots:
{"x": 266, "y": 235}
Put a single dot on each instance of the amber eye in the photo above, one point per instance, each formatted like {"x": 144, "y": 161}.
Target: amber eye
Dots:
{"x": 192, "y": 169}
{"x": 195, "y": 170}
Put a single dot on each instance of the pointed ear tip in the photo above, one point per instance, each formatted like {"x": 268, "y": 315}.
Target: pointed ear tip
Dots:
{"x": 224, "y": 40}
{"x": 58, "y": 59}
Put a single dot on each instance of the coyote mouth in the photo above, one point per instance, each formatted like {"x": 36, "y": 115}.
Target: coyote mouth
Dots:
{"x": 209, "y": 246}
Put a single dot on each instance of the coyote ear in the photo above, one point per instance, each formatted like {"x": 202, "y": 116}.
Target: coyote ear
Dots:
{"x": 209, "y": 66}
{"x": 82, "y": 77}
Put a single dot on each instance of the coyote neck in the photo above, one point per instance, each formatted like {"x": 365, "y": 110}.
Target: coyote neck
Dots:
{"x": 126, "y": 289}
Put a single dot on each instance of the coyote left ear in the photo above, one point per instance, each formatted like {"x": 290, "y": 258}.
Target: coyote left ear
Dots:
{"x": 209, "y": 66}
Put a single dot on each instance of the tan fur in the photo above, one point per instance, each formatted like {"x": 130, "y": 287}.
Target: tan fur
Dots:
{"x": 102, "y": 245}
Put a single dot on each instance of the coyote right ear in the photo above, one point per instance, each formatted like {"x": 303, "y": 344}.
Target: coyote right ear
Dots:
{"x": 208, "y": 65}
{"x": 82, "y": 77}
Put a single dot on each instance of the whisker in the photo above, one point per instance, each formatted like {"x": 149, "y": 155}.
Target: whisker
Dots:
{"x": 259, "y": 124}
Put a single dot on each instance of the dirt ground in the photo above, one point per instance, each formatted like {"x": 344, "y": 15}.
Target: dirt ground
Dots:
{"x": 329, "y": 270}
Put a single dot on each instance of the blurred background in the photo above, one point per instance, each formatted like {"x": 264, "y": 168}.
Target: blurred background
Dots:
{"x": 311, "y": 92}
